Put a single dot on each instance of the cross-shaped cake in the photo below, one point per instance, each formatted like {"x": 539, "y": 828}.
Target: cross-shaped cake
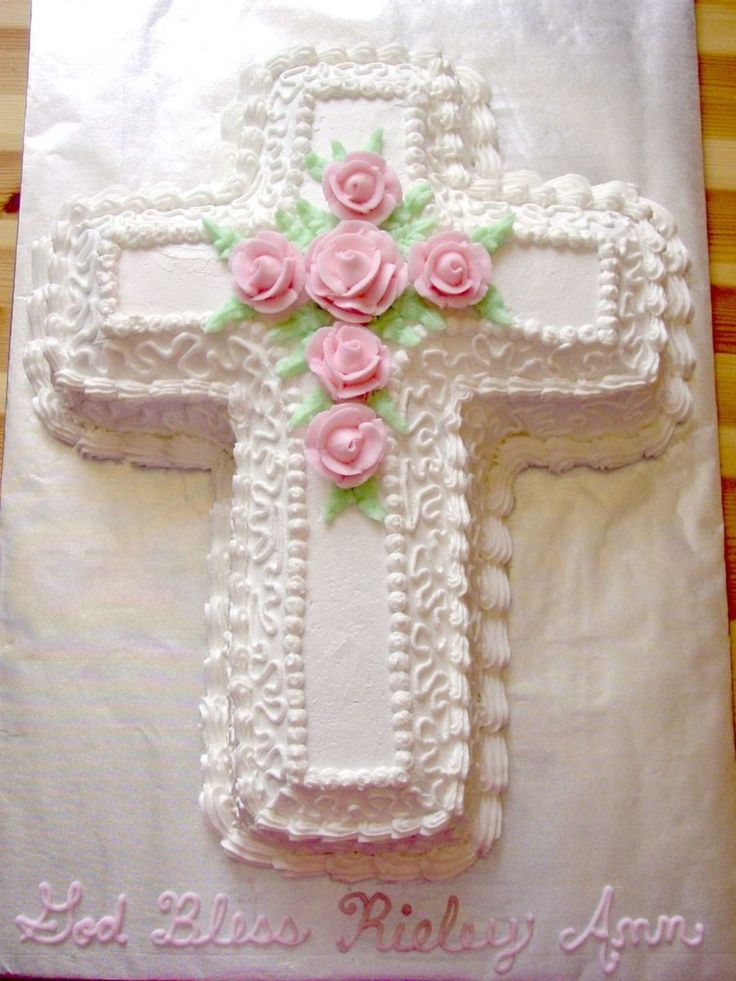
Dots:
{"x": 354, "y": 707}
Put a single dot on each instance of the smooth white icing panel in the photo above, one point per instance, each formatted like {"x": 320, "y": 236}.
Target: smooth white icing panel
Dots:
{"x": 554, "y": 286}
{"x": 346, "y": 640}
{"x": 171, "y": 279}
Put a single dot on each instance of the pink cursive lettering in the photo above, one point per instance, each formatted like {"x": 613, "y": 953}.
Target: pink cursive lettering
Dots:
{"x": 611, "y": 943}
{"x": 389, "y": 933}
{"x": 185, "y": 931}
{"x": 48, "y": 929}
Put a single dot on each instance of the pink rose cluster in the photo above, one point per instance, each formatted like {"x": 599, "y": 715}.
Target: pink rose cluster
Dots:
{"x": 347, "y": 442}
{"x": 355, "y": 272}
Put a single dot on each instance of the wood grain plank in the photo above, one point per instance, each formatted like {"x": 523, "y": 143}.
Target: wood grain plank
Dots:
{"x": 721, "y": 208}
{"x": 718, "y": 95}
{"x": 728, "y": 492}
{"x": 15, "y": 13}
{"x": 10, "y": 162}
{"x": 727, "y": 443}
{"x": 13, "y": 48}
{"x": 15, "y": 18}
{"x": 726, "y": 388}
{"x": 723, "y": 301}
{"x": 719, "y": 161}
{"x": 723, "y": 273}
{"x": 12, "y": 111}
{"x": 716, "y": 27}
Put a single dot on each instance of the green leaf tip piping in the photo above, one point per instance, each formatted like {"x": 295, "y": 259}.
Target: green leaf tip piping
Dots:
{"x": 315, "y": 165}
{"x": 366, "y": 496}
{"x": 492, "y": 307}
{"x": 405, "y": 225}
{"x": 375, "y": 141}
{"x": 303, "y": 322}
{"x": 293, "y": 364}
{"x": 317, "y": 401}
{"x": 492, "y": 237}
{"x": 308, "y": 222}
{"x": 223, "y": 239}
{"x": 338, "y": 150}
{"x": 399, "y": 323}
{"x": 383, "y": 406}
{"x": 231, "y": 313}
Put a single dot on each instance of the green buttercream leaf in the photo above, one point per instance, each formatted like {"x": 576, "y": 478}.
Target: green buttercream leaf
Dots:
{"x": 367, "y": 497}
{"x": 315, "y": 165}
{"x": 294, "y": 363}
{"x": 417, "y": 198}
{"x": 415, "y": 201}
{"x": 232, "y": 312}
{"x": 308, "y": 213}
{"x": 388, "y": 319}
{"x": 339, "y": 499}
{"x": 382, "y": 405}
{"x": 283, "y": 220}
{"x": 414, "y": 230}
{"x": 299, "y": 325}
{"x": 492, "y": 307}
{"x": 417, "y": 309}
{"x": 404, "y": 223}
{"x": 432, "y": 319}
{"x": 223, "y": 239}
{"x": 375, "y": 141}
{"x": 405, "y": 335}
{"x": 314, "y": 402}
{"x": 492, "y": 237}
{"x": 399, "y": 322}
{"x": 306, "y": 224}
{"x": 338, "y": 150}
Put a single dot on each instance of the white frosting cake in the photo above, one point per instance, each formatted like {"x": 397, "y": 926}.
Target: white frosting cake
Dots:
{"x": 354, "y": 711}
{"x": 302, "y": 394}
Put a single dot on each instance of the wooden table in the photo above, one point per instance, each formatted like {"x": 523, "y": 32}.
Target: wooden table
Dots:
{"x": 716, "y": 22}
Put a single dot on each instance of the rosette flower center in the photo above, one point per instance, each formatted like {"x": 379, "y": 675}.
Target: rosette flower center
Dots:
{"x": 350, "y": 356}
{"x": 355, "y": 271}
{"x": 344, "y": 444}
{"x": 265, "y": 273}
{"x": 360, "y": 187}
{"x": 349, "y": 360}
{"x": 268, "y": 273}
{"x": 451, "y": 269}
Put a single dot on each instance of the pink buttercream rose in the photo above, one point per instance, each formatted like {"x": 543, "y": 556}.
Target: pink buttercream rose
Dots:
{"x": 349, "y": 360}
{"x": 346, "y": 443}
{"x": 268, "y": 272}
{"x": 361, "y": 186}
{"x": 355, "y": 271}
{"x": 449, "y": 270}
